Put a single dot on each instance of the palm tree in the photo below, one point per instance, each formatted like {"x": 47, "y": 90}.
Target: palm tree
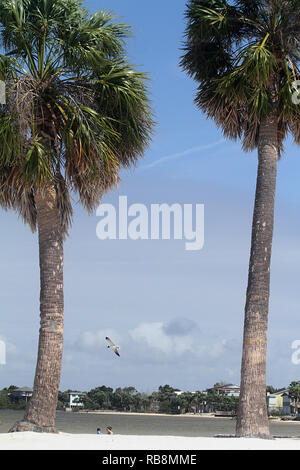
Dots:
{"x": 76, "y": 113}
{"x": 245, "y": 57}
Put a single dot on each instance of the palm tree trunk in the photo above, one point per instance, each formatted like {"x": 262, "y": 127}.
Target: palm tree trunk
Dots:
{"x": 41, "y": 411}
{"x": 252, "y": 418}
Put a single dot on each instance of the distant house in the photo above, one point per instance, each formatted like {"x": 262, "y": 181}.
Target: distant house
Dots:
{"x": 280, "y": 402}
{"x": 75, "y": 399}
{"x": 22, "y": 393}
{"x": 295, "y": 407}
{"x": 230, "y": 390}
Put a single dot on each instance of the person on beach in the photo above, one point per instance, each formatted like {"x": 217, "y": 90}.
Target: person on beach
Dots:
{"x": 109, "y": 430}
{"x": 99, "y": 431}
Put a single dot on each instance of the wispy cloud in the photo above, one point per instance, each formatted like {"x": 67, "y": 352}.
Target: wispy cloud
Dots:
{"x": 185, "y": 153}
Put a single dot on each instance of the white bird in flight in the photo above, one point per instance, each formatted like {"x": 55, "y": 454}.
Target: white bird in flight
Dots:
{"x": 113, "y": 346}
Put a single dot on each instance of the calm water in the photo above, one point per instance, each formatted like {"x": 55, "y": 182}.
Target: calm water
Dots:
{"x": 145, "y": 425}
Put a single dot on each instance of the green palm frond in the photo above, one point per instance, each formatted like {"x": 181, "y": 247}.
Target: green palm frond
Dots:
{"x": 36, "y": 165}
{"x": 10, "y": 144}
{"x": 121, "y": 91}
{"x": 76, "y": 112}
{"x": 245, "y": 56}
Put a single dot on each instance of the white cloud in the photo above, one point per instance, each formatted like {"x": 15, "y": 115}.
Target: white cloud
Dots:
{"x": 92, "y": 340}
{"x": 154, "y": 335}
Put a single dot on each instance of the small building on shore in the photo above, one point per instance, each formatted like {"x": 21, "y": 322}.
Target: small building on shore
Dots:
{"x": 229, "y": 390}
{"x": 23, "y": 393}
{"x": 280, "y": 402}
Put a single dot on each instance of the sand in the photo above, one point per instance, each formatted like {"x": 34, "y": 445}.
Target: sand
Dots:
{"x": 64, "y": 441}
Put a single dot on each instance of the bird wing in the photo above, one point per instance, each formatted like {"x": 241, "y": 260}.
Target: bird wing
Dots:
{"x": 110, "y": 341}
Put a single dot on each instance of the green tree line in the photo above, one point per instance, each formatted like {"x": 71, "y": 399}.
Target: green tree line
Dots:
{"x": 166, "y": 399}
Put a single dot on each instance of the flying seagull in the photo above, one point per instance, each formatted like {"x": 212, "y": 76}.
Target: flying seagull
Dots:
{"x": 113, "y": 346}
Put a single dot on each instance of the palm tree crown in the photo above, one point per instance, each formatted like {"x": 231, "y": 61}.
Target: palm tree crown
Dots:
{"x": 75, "y": 112}
{"x": 245, "y": 56}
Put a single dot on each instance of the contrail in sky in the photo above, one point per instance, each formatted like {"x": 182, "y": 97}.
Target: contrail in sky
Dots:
{"x": 182, "y": 154}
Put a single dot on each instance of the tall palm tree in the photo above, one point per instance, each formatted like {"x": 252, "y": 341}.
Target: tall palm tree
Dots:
{"x": 244, "y": 54}
{"x": 76, "y": 113}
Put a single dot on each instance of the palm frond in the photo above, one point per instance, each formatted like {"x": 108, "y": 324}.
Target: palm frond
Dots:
{"x": 76, "y": 112}
{"x": 245, "y": 57}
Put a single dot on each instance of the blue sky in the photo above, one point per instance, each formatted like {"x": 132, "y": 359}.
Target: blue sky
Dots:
{"x": 177, "y": 315}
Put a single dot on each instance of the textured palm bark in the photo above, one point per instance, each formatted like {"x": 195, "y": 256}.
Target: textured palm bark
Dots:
{"x": 252, "y": 418}
{"x": 40, "y": 415}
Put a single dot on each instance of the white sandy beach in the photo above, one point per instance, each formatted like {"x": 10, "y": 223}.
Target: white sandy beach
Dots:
{"x": 63, "y": 441}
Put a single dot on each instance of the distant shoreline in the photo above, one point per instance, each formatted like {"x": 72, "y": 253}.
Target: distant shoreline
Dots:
{"x": 186, "y": 415}
{"x": 133, "y": 413}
